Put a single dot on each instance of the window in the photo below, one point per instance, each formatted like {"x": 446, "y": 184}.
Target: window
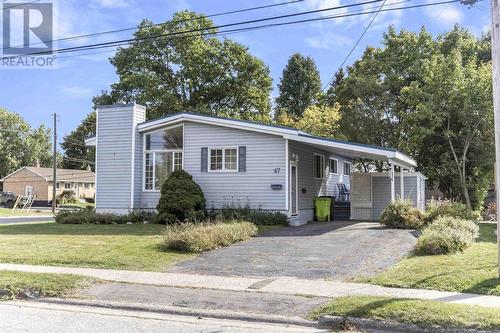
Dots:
{"x": 67, "y": 186}
{"x": 86, "y": 185}
{"x": 224, "y": 159}
{"x": 319, "y": 166}
{"x": 28, "y": 190}
{"x": 162, "y": 155}
{"x": 58, "y": 185}
{"x": 347, "y": 168}
{"x": 333, "y": 166}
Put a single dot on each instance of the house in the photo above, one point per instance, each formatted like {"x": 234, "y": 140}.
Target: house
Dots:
{"x": 240, "y": 163}
{"x": 39, "y": 181}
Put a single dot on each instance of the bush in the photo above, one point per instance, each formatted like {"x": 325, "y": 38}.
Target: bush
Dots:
{"x": 199, "y": 237}
{"x": 66, "y": 197}
{"x": 436, "y": 209}
{"x": 181, "y": 196}
{"x": 91, "y": 217}
{"x": 447, "y": 235}
{"x": 401, "y": 214}
{"x": 256, "y": 216}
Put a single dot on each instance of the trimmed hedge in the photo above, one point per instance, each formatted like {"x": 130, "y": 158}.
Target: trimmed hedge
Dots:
{"x": 447, "y": 235}
{"x": 199, "y": 237}
{"x": 401, "y": 214}
{"x": 181, "y": 198}
{"x": 256, "y": 216}
{"x": 91, "y": 217}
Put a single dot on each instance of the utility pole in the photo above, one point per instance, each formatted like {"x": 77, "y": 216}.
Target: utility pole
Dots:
{"x": 495, "y": 57}
{"x": 54, "y": 166}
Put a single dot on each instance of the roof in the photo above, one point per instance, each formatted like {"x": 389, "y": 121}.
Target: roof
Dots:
{"x": 62, "y": 174}
{"x": 345, "y": 148}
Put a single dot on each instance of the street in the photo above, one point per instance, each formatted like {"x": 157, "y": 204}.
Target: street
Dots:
{"x": 33, "y": 317}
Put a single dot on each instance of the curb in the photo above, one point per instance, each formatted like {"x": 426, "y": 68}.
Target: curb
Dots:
{"x": 176, "y": 310}
{"x": 333, "y": 322}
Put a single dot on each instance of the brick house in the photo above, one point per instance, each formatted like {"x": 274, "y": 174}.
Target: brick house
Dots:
{"x": 39, "y": 181}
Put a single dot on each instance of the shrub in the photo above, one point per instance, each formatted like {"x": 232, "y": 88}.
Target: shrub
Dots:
{"x": 447, "y": 235}
{"x": 91, "y": 217}
{"x": 256, "y": 216}
{"x": 181, "y": 196}
{"x": 199, "y": 237}
{"x": 66, "y": 197}
{"x": 435, "y": 209}
{"x": 401, "y": 214}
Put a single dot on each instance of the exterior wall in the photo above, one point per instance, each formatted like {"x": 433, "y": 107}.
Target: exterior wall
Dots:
{"x": 381, "y": 191}
{"x": 17, "y": 184}
{"x": 115, "y": 157}
{"x": 264, "y": 154}
{"x": 81, "y": 192}
{"x": 311, "y": 186}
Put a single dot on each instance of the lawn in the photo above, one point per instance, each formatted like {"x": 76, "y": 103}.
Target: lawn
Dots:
{"x": 130, "y": 247}
{"x": 473, "y": 271}
{"x": 48, "y": 285}
{"x": 32, "y": 212}
{"x": 419, "y": 312}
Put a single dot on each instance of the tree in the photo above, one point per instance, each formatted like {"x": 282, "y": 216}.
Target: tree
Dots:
{"x": 190, "y": 72}
{"x": 74, "y": 145}
{"x": 300, "y": 85}
{"x": 22, "y": 145}
{"x": 382, "y": 101}
{"x": 320, "y": 120}
{"x": 457, "y": 93}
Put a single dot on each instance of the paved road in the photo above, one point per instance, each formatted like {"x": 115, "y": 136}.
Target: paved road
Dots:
{"x": 336, "y": 250}
{"x": 28, "y": 219}
{"x": 41, "y": 318}
{"x": 207, "y": 299}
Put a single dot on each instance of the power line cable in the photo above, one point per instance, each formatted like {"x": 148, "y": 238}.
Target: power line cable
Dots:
{"x": 101, "y": 33}
{"x": 356, "y": 44}
{"x": 106, "y": 45}
{"x": 206, "y": 29}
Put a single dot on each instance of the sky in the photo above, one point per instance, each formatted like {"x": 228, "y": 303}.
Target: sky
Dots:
{"x": 68, "y": 90}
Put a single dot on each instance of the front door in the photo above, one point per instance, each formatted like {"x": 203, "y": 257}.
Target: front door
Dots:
{"x": 293, "y": 189}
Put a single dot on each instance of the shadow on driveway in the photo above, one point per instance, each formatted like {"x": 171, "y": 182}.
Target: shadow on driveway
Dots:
{"x": 328, "y": 250}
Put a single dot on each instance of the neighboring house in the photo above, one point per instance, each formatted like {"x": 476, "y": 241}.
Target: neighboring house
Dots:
{"x": 237, "y": 163}
{"x": 39, "y": 181}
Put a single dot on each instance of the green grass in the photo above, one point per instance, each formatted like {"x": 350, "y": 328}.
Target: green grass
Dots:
{"x": 48, "y": 285}
{"x": 77, "y": 205}
{"x": 473, "y": 271}
{"x": 419, "y": 312}
{"x": 130, "y": 247}
{"x": 32, "y": 212}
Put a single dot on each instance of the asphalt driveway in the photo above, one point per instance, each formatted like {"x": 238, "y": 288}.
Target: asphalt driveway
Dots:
{"x": 333, "y": 250}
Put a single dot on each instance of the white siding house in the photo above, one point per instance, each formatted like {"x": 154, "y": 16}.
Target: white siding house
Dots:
{"x": 235, "y": 162}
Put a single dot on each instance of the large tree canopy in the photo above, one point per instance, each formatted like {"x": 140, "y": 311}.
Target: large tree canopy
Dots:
{"x": 417, "y": 93}
{"x": 21, "y": 144}
{"x": 190, "y": 72}
{"x": 300, "y": 85}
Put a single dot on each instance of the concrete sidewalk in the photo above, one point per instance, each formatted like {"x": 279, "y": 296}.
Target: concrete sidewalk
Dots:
{"x": 282, "y": 285}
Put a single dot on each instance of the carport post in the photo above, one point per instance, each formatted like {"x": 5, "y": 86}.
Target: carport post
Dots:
{"x": 402, "y": 180}
{"x": 393, "y": 187}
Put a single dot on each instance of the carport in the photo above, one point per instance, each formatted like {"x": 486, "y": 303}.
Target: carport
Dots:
{"x": 370, "y": 192}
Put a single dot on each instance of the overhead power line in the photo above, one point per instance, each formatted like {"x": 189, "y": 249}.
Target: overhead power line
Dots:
{"x": 176, "y": 35}
{"x": 107, "y": 32}
{"x": 205, "y": 29}
{"x": 355, "y": 44}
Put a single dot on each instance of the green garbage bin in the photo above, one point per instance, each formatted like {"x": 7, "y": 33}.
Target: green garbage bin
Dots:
{"x": 322, "y": 208}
